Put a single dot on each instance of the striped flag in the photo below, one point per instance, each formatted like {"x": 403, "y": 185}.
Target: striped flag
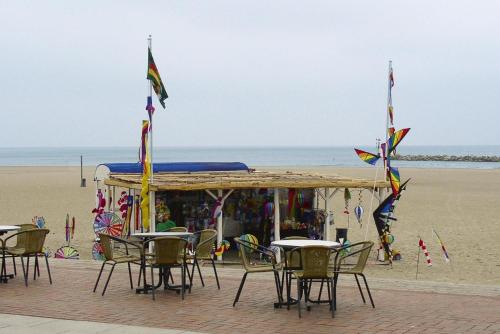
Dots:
{"x": 422, "y": 245}
{"x": 155, "y": 78}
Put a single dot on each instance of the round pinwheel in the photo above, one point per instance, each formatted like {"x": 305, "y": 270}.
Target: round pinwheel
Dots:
{"x": 67, "y": 252}
{"x": 98, "y": 252}
{"x": 108, "y": 223}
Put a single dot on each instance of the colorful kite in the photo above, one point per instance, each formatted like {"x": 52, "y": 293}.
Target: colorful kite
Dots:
{"x": 395, "y": 139}
{"x": 395, "y": 180}
{"x": 367, "y": 157}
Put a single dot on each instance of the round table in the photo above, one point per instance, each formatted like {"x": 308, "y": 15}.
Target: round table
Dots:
{"x": 161, "y": 234}
{"x": 8, "y": 228}
{"x": 294, "y": 243}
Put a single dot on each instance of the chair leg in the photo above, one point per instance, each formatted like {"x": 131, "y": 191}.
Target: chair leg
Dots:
{"x": 216, "y": 276}
{"x": 288, "y": 289}
{"x": 199, "y": 271}
{"x": 183, "y": 281}
{"x": 48, "y": 268}
{"x": 24, "y": 272}
{"x": 278, "y": 287}
{"x": 27, "y": 269}
{"x": 109, "y": 277}
{"x": 330, "y": 293}
{"x": 171, "y": 276}
{"x": 186, "y": 268}
{"x": 335, "y": 280}
{"x": 239, "y": 289}
{"x": 130, "y": 276}
{"x": 299, "y": 295}
{"x": 36, "y": 267}
{"x": 320, "y": 290}
{"x": 359, "y": 287}
{"x": 368, "y": 289}
{"x": 14, "y": 264}
{"x": 152, "y": 283}
{"x": 98, "y": 277}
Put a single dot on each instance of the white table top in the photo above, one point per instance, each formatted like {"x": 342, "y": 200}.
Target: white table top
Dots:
{"x": 304, "y": 242}
{"x": 6, "y": 228}
{"x": 161, "y": 234}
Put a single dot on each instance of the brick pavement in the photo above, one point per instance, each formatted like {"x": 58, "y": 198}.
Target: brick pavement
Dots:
{"x": 400, "y": 309}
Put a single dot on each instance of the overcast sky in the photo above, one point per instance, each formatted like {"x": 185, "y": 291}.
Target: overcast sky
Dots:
{"x": 252, "y": 73}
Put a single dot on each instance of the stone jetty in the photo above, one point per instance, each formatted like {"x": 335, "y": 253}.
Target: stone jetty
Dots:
{"x": 466, "y": 158}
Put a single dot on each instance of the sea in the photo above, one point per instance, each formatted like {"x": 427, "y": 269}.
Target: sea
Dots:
{"x": 340, "y": 156}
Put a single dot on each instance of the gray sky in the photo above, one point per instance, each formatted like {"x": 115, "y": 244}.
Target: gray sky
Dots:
{"x": 72, "y": 73}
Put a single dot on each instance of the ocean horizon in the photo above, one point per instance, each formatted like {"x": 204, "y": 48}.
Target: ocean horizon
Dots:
{"x": 306, "y": 156}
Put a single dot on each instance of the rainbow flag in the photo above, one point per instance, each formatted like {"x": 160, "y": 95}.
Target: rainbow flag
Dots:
{"x": 367, "y": 157}
{"x": 395, "y": 180}
{"x": 155, "y": 78}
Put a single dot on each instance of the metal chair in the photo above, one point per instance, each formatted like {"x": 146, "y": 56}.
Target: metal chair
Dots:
{"x": 20, "y": 243}
{"x": 31, "y": 245}
{"x": 314, "y": 261}
{"x": 290, "y": 263}
{"x": 246, "y": 248}
{"x": 113, "y": 259}
{"x": 203, "y": 251}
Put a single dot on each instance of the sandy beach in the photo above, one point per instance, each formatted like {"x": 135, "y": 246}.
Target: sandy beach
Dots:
{"x": 462, "y": 205}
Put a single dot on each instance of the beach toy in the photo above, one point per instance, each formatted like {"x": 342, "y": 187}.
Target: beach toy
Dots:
{"x": 249, "y": 238}
{"x": 389, "y": 238}
{"x": 98, "y": 252}
{"x": 67, "y": 252}
{"x": 224, "y": 246}
{"x": 108, "y": 223}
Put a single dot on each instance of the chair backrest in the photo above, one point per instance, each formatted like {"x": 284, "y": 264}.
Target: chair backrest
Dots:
{"x": 314, "y": 260}
{"x": 292, "y": 259}
{"x": 205, "y": 244}
{"x": 107, "y": 246}
{"x": 35, "y": 239}
{"x": 177, "y": 229}
{"x": 169, "y": 250}
{"x": 245, "y": 250}
{"x": 21, "y": 238}
{"x": 362, "y": 251}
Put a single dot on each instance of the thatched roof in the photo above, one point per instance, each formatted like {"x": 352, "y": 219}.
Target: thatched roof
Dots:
{"x": 242, "y": 180}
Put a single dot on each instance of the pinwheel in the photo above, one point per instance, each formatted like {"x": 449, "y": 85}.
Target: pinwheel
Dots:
{"x": 39, "y": 222}
{"x": 98, "y": 252}
{"x": 108, "y": 223}
{"x": 67, "y": 252}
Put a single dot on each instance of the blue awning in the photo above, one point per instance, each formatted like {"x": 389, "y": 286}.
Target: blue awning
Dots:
{"x": 176, "y": 167}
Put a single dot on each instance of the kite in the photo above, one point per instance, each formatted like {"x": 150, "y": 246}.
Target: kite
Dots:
{"x": 396, "y": 138}
{"x": 395, "y": 180}
{"x": 367, "y": 157}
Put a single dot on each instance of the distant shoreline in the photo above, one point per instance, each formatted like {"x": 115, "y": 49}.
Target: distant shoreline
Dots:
{"x": 444, "y": 157}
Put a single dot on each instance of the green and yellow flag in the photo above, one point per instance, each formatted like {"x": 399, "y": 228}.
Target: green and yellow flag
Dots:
{"x": 155, "y": 78}
{"x": 146, "y": 173}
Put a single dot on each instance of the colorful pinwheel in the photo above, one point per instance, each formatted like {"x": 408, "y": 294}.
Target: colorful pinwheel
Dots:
{"x": 67, "y": 252}
{"x": 108, "y": 223}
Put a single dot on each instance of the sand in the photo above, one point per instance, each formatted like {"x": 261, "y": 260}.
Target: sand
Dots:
{"x": 461, "y": 204}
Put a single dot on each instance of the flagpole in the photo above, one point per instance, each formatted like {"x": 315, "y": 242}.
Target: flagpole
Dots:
{"x": 152, "y": 200}
{"x": 387, "y": 116}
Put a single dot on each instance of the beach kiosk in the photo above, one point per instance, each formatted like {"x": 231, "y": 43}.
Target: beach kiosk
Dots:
{"x": 233, "y": 198}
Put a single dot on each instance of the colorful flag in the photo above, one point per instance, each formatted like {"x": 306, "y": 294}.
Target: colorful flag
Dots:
{"x": 445, "y": 253}
{"x": 396, "y": 138}
{"x": 367, "y": 157}
{"x": 155, "y": 78}
{"x": 395, "y": 180}
{"x": 146, "y": 173}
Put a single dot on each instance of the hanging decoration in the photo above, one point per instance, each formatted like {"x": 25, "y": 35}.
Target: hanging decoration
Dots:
{"x": 126, "y": 225}
{"x": 216, "y": 212}
{"x": 146, "y": 174}
{"x": 445, "y": 253}
{"x": 367, "y": 157}
{"x": 100, "y": 203}
{"x": 358, "y": 210}
{"x": 123, "y": 204}
{"x": 395, "y": 180}
{"x": 347, "y": 199}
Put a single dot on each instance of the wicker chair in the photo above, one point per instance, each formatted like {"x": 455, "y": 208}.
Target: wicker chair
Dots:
{"x": 290, "y": 263}
{"x": 361, "y": 250}
{"x": 20, "y": 241}
{"x": 314, "y": 263}
{"x": 169, "y": 252}
{"x": 203, "y": 251}
{"x": 246, "y": 249}
{"x": 177, "y": 229}
{"x": 113, "y": 259}
{"x": 29, "y": 244}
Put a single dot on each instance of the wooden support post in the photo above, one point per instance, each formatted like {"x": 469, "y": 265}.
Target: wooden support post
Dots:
{"x": 219, "y": 224}
{"x": 326, "y": 232}
{"x": 277, "y": 214}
